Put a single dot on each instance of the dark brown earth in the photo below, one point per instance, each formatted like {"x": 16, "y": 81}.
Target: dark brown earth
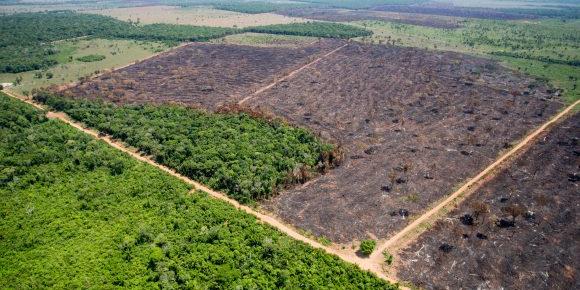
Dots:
{"x": 414, "y": 124}
{"x": 342, "y": 15}
{"x": 540, "y": 250}
{"x": 203, "y": 75}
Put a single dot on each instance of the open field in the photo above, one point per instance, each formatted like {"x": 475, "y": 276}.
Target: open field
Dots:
{"x": 69, "y": 69}
{"x": 78, "y": 213}
{"x": 547, "y": 49}
{"x": 266, "y": 40}
{"x": 194, "y": 75}
{"x": 343, "y": 15}
{"x": 421, "y": 123}
{"x": 520, "y": 230}
{"x": 201, "y": 16}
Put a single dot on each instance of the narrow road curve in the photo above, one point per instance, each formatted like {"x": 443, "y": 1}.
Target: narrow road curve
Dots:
{"x": 464, "y": 191}
{"x": 291, "y": 74}
{"x": 350, "y": 257}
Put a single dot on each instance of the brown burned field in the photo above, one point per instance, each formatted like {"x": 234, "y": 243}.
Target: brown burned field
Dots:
{"x": 344, "y": 15}
{"x": 413, "y": 124}
{"x": 203, "y": 75}
{"x": 520, "y": 230}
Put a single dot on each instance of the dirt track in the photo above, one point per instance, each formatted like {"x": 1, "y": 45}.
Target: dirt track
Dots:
{"x": 413, "y": 123}
{"x": 195, "y": 75}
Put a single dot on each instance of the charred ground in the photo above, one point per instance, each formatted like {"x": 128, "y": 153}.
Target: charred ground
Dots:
{"x": 201, "y": 75}
{"x": 520, "y": 230}
{"x": 414, "y": 124}
{"x": 343, "y": 15}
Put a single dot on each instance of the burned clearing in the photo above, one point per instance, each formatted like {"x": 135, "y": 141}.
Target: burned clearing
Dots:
{"x": 344, "y": 15}
{"x": 202, "y": 75}
{"x": 520, "y": 230}
{"x": 413, "y": 124}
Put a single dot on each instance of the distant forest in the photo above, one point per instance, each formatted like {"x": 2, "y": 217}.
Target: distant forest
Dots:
{"x": 26, "y": 39}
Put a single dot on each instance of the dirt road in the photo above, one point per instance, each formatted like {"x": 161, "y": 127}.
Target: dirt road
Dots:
{"x": 420, "y": 224}
{"x": 350, "y": 257}
{"x": 289, "y": 75}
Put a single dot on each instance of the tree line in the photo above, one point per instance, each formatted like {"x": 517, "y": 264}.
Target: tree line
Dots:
{"x": 26, "y": 39}
{"x": 247, "y": 157}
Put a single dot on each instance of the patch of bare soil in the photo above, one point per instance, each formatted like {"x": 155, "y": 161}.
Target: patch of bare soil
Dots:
{"x": 342, "y": 15}
{"x": 413, "y": 123}
{"x": 447, "y": 10}
{"x": 204, "y": 75}
{"x": 520, "y": 231}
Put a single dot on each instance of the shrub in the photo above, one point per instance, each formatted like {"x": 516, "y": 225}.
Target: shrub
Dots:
{"x": 367, "y": 247}
{"x": 388, "y": 257}
{"x": 91, "y": 58}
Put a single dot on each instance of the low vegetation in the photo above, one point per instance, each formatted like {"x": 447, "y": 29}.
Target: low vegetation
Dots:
{"x": 388, "y": 257}
{"x": 118, "y": 52}
{"x": 266, "y": 40}
{"x": 316, "y": 29}
{"x": 247, "y": 157}
{"x": 76, "y": 213}
{"x": 361, "y": 4}
{"x": 91, "y": 58}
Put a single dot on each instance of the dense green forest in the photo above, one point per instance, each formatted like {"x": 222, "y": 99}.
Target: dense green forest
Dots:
{"x": 76, "y": 213}
{"x": 316, "y": 29}
{"x": 556, "y": 12}
{"x": 26, "y": 39}
{"x": 246, "y": 157}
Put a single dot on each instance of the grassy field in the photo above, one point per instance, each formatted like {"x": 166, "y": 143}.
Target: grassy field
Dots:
{"x": 117, "y": 53}
{"x": 76, "y": 213}
{"x": 201, "y": 16}
{"x": 548, "y": 49}
{"x": 266, "y": 40}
